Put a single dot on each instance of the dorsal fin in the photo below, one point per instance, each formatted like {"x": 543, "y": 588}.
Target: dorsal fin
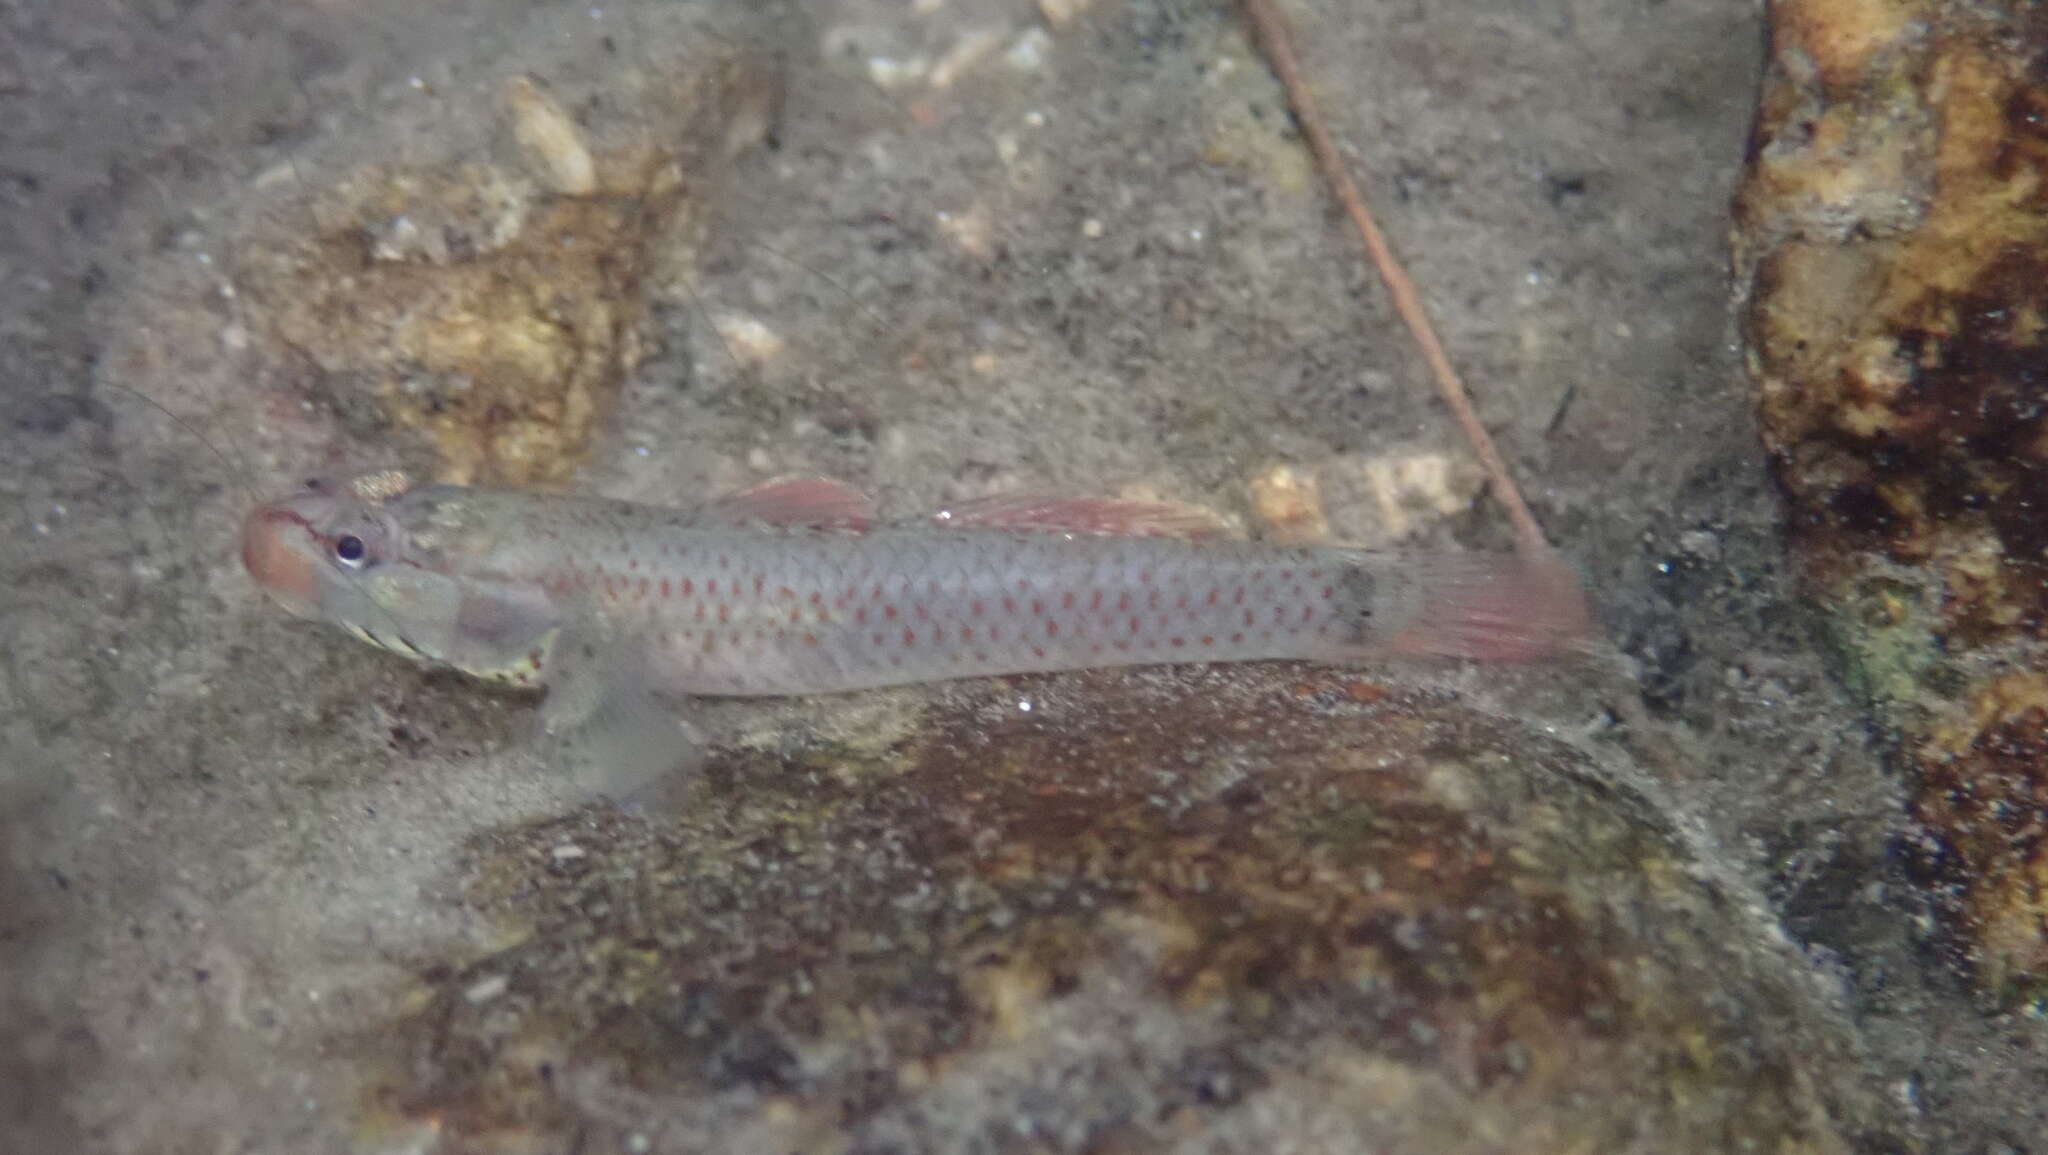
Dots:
{"x": 796, "y": 502}
{"x": 1089, "y": 515}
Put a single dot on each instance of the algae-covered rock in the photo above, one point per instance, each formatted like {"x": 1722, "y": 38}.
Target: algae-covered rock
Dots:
{"x": 1891, "y": 245}
{"x": 1200, "y": 910}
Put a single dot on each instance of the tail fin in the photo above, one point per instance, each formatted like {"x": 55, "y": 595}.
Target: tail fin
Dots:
{"x": 1494, "y": 607}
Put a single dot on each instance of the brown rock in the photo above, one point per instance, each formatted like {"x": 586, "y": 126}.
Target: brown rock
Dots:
{"x": 1891, "y": 250}
{"x": 1158, "y": 909}
{"x": 493, "y": 310}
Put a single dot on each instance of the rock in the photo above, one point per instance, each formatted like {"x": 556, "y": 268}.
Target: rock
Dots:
{"x": 1890, "y": 250}
{"x": 494, "y": 310}
{"x": 1244, "y": 910}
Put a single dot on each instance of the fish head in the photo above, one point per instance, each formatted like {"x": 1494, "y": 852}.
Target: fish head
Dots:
{"x": 342, "y": 553}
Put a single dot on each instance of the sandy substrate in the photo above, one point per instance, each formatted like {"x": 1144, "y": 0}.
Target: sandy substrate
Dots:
{"x": 937, "y": 250}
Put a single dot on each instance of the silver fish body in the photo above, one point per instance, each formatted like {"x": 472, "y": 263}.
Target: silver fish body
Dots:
{"x": 795, "y": 588}
{"x": 794, "y": 610}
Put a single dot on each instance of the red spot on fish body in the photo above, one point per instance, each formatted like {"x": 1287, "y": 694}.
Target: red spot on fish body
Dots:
{"x": 860, "y": 615}
{"x": 974, "y": 608}
{"x": 1214, "y": 596}
{"x": 724, "y": 613}
{"x": 1208, "y": 639}
{"x": 1095, "y": 600}
{"x": 689, "y": 587}
{"x": 1067, "y": 601}
{"x": 909, "y": 637}
{"x": 1037, "y": 608}
{"x": 889, "y": 613}
{"x": 711, "y": 588}
{"x": 1052, "y": 629}
{"x": 664, "y": 588}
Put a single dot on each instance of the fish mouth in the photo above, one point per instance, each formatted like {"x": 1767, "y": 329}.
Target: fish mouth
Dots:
{"x": 278, "y": 553}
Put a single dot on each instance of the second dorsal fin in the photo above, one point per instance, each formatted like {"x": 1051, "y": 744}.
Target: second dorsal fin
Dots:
{"x": 795, "y": 502}
{"x": 1089, "y": 515}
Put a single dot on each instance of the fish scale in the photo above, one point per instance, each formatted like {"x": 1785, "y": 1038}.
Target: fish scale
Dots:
{"x": 738, "y": 612}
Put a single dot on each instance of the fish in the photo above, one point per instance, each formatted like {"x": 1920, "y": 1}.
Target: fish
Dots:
{"x": 797, "y": 586}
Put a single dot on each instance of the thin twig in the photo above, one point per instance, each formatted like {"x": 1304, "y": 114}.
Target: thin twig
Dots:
{"x": 1278, "y": 44}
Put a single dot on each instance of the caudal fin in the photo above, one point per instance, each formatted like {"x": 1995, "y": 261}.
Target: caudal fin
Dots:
{"x": 1496, "y": 608}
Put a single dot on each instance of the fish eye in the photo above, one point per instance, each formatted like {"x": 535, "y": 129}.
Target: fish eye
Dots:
{"x": 348, "y": 549}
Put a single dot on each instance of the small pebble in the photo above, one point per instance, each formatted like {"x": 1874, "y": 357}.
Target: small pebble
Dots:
{"x": 1289, "y": 505}
{"x": 966, "y": 52}
{"x": 748, "y": 339}
{"x": 889, "y": 72}
{"x": 1027, "y": 53}
{"x": 549, "y": 141}
{"x": 1393, "y": 496}
{"x": 1060, "y": 13}
{"x": 485, "y": 990}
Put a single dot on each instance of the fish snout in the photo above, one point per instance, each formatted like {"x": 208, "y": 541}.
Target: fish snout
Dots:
{"x": 277, "y": 550}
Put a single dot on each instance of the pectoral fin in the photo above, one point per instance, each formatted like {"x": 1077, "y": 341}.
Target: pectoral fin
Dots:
{"x": 603, "y": 727}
